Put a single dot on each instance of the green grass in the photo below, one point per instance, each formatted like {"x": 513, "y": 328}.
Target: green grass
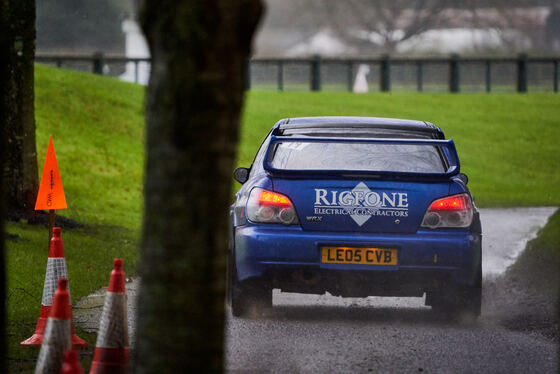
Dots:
{"x": 508, "y": 145}
{"x": 537, "y": 268}
{"x": 97, "y": 127}
{"x": 548, "y": 239}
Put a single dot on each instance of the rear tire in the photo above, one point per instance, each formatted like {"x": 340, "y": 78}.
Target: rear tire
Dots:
{"x": 459, "y": 301}
{"x": 250, "y": 298}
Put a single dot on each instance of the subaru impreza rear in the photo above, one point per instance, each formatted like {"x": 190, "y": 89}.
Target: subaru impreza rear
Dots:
{"x": 355, "y": 207}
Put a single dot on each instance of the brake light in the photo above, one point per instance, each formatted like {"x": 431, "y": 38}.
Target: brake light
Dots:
{"x": 452, "y": 211}
{"x": 270, "y": 207}
{"x": 449, "y": 203}
{"x": 273, "y": 198}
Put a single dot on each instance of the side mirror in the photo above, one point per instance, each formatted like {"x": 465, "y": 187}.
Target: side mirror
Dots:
{"x": 463, "y": 177}
{"x": 241, "y": 175}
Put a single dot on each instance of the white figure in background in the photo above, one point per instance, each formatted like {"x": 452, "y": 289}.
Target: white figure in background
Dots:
{"x": 360, "y": 83}
{"x": 136, "y": 47}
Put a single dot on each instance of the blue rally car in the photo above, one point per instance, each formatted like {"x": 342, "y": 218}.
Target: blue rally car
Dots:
{"x": 356, "y": 207}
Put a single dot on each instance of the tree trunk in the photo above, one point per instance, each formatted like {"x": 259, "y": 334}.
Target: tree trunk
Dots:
{"x": 3, "y": 110}
{"x": 18, "y": 158}
{"x": 18, "y": 121}
{"x": 199, "y": 50}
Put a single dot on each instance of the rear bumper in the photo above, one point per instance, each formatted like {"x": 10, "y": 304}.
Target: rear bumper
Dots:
{"x": 289, "y": 258}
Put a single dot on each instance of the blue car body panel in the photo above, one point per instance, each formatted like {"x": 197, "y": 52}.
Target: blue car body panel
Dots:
{"x": 354, "y": 209}
{"x": 258, "y": 249}
{"x": 401, "y": 196}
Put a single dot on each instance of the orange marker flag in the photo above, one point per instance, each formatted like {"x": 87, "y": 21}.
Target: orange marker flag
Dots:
{"x": 51, "y": 193}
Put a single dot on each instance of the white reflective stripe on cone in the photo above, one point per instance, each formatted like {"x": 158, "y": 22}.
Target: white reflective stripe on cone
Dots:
{"x": 113, "y": 328}
{"x": 56, "y": 341}
{"x": 56, "y": 268}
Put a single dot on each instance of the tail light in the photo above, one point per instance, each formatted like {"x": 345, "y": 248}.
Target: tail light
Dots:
{"x": 270, "y": 207}
{"x": 452, "y": 211}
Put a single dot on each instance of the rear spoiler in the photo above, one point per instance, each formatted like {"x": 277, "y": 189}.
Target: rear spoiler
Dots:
{"x": 447, "y": 148}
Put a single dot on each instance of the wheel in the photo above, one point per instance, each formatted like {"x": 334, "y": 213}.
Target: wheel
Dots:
{"x": 250, "y": 298}
{"x": 475, "y": 304}
{"x": 458, "y": 300}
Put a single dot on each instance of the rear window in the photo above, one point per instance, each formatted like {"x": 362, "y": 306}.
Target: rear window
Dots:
{"x": 357, "y": 157}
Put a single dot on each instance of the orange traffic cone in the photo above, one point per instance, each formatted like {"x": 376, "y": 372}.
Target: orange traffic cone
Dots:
{"x": 57, "y": 333}
{"x": 111, "y": 350}
{"x": 56, "y": 269}
{"x": 71, "y": 363}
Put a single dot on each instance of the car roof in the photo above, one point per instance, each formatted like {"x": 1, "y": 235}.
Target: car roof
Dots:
{"x": 361, "y": 126}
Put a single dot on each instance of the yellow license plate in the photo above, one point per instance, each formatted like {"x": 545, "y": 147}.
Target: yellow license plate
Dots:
{"x": 365, "y": 256}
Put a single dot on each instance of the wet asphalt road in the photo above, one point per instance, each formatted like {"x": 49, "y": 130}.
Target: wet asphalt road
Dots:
{"x": 325, "y": 334}
{"x": 316, "y": 335}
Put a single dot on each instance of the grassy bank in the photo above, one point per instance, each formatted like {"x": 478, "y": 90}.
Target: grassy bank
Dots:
{"x": 541, "y": 257}
{"x": 530, "y": 289}
{"x": 507, "y": 144}
{"x": 97, "y": 127}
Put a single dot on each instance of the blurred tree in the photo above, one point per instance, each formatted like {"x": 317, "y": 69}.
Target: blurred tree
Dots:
{"x": 520, "y": 24}
{"x": 199, "y": 51}
{"x": 553, "y": 27}
{"x": 81, "y": 25}
{"x": 379, "y": 26}
{"x": 18, "y": 158}
{"x": 20, "y": 175}
{"x": 3, "y": 63}
{"x": 382, "y": 24}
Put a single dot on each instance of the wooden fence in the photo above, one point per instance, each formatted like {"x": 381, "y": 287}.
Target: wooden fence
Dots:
{"x": 455, "y": 73}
